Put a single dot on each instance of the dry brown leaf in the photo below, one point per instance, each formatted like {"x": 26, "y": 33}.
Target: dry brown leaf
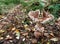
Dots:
{"x": 54, "y": 39}
{"x": 1, "y": 31}
{"x": 25, "y": 34}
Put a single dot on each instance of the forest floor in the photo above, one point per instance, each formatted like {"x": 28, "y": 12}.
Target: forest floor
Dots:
{"x": 17, "y": 27}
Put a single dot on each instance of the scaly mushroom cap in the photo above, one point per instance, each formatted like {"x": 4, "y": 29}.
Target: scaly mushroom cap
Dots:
{"x": 34, "y": 15}
{"x": 46, "y": 17}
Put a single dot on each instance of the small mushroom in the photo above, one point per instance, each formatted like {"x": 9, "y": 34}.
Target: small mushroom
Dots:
{"x": 39, "y": 27}
{"x": 37, "y": 34}
{"x": 34, "y": 41}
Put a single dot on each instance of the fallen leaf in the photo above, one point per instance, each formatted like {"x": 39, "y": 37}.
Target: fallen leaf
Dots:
{"x": 23, "y": 39}
{"x": 34, "y": 41}
{"x": 54, "y": 39}
{"x": 1, "y": 38}
{"x": 17, "y": 34}
{"x": 8, "y": 37}
{"x": 13, "y": 29}
{"x": 1, "y": 31}
{"x": 25, "y": 34}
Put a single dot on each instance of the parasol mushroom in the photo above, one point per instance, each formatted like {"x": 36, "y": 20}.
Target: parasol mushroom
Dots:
{"x": 46, "y": 16}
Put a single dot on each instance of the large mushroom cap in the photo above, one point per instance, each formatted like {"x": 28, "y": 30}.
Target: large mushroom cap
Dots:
{"x": 46, "y": 16}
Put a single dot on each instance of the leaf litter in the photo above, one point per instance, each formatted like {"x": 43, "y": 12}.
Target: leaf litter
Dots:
{"x": 16, "y": 29}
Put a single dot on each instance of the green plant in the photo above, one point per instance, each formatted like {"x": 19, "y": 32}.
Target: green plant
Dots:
{"x": 54, "y": 9}
{"x": 33, "y": 4}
